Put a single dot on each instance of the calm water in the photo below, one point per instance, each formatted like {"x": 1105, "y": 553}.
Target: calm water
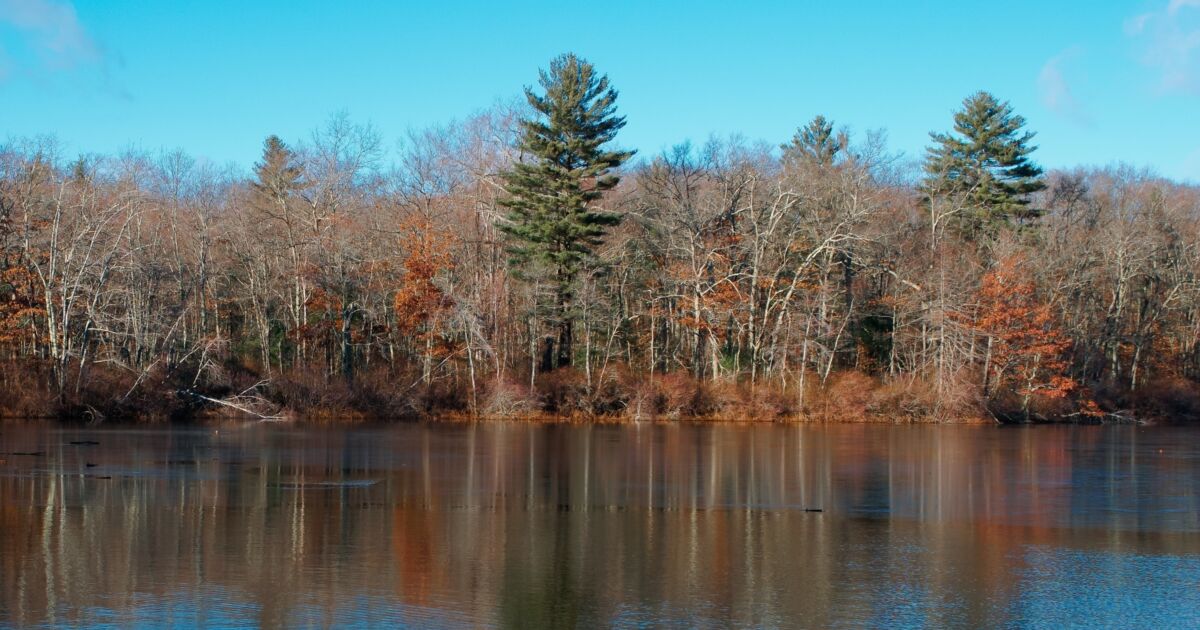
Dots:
{"x": 533, "y": 526}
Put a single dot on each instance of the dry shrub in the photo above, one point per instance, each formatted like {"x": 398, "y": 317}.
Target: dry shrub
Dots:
{"x": 676, "y": 396}
{"x": 1168, "y": 399}
{"x": 304, "y": 390}
{"x": 611, "y": 392}
{"x": 917, "y": 399}
{"x": 666, "y": 396}
{"x": 376, "y": 394}
{"x": 441, "y": 396}
{"x": 562, "y": 392}
{"x": 1048, "y": 408}
{"x": 904, "y": 398}
{"x": 736, "y": 402}
{"x": 771, "y": 403}
{"x": 504, "y": 398}
{"x": 23, "y": 391}
{"x": 119, "y": 395}
{"x": 846, "y": 396}
{"x": 855, "y": 397}
{"x": 960, "y": 398}
{"x": 105, "y": 393}
{"x": 109, "y": 394}
{"x": 723, "y": 399}
{"x": 681, "y": 396}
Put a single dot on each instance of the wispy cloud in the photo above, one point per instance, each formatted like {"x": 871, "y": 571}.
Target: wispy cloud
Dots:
{"x": 1056, "y": 91}
{"x": 1137, "y": 24}
{"x": 1170, "y": 43}
{"x": 51, "y": 30}
{"x": 1176, "y": 5}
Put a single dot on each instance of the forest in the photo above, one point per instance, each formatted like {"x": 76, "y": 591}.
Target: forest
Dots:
{"x": 520, "y": 264}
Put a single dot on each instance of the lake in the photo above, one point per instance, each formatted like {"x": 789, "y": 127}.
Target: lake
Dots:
{"x": 526, "y": 525}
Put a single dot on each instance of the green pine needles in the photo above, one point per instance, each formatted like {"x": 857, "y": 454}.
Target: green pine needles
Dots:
{"x": 815, "y": 143}
{"x": 984, "y": 164}
{"x": 553, "y": 221}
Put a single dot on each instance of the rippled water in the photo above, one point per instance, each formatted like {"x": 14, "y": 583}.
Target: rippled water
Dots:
{"x": 541, "y": 526}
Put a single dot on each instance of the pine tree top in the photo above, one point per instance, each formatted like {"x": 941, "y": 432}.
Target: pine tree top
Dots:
{"x": 552, "y": 192}
{"x": 277, "y": 172}
{"x": 986, "y": 158}
{"x": 816, "y": 143}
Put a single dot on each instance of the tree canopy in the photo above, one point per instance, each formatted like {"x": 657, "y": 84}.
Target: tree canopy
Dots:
{"x": 984, "y": 165}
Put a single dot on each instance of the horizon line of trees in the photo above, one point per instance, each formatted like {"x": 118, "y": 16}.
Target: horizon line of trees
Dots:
{"x": 518, "y": 262}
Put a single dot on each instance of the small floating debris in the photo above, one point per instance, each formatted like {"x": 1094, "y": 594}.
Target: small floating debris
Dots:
{"x": 97, "y": 476}
{"x": 83, "y": 443}
{"x": 89, "y": 465}
{"x": 28, "y": 453}
{"x": 813, "y": 510}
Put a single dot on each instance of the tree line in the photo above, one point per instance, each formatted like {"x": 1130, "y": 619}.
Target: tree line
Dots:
{"x": 519, "y": 262}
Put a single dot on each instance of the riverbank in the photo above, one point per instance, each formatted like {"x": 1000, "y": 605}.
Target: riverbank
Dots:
{"x": 90, "y": 416}
{"x": 564, "y": 396}
{"x": 218, "y": 417}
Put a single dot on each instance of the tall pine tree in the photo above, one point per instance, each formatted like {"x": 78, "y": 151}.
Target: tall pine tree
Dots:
{"x": 553, "y": 219}
{"x": 984, "y": 163}
{"x": 815, "y": 143}
{"x": 278, "y": 175}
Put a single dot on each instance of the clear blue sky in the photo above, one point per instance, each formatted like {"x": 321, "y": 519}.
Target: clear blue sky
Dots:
{"x": 1099, "y": 82}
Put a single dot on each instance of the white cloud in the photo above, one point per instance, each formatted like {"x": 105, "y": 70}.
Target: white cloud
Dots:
{"x": 1170, "y": 43}
{"x": 1136, "y": 24}
{"x": 52, "y": 31}
{"x": 1056, "y": 92}
{"x": 1176, "y": 5}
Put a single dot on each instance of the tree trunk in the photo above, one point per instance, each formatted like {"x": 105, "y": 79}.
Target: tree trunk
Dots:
{"x": 565, "y": 332}
{"x": 347, "y": 347}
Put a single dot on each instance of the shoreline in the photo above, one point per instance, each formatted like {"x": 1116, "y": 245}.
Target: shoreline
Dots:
{"x": 452, "y": 419}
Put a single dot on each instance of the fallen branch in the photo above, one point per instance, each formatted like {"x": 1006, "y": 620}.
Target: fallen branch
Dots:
{"x": 240, "y": 402}
{"x": 1120, "y": 416}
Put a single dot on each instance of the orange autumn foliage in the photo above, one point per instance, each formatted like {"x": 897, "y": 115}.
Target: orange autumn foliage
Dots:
{"x": 419, "y": 300}
{"x": 18, "y": 304}
{"x": 1028, "y": 349}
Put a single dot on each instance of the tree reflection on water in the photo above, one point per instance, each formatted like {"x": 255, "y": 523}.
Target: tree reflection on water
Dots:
{"x": 536, "y": 526}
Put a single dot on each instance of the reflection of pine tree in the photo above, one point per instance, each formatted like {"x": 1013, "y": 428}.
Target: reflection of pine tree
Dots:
{"x": 541, "y": 590}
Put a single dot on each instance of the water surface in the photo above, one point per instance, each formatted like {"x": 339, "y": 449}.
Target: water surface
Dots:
{"x": 557, "y": 526}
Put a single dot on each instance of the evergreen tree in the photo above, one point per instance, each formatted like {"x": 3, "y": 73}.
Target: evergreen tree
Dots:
{"x": 985, "y": 163}
{"x": 278, "y": 175}
{"x": 278, "y": 178}
{"x": 552, "y": 218}
{"x": 815, "y": 143}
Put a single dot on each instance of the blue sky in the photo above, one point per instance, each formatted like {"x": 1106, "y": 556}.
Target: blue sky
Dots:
{"x": 1100, "y": 82}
